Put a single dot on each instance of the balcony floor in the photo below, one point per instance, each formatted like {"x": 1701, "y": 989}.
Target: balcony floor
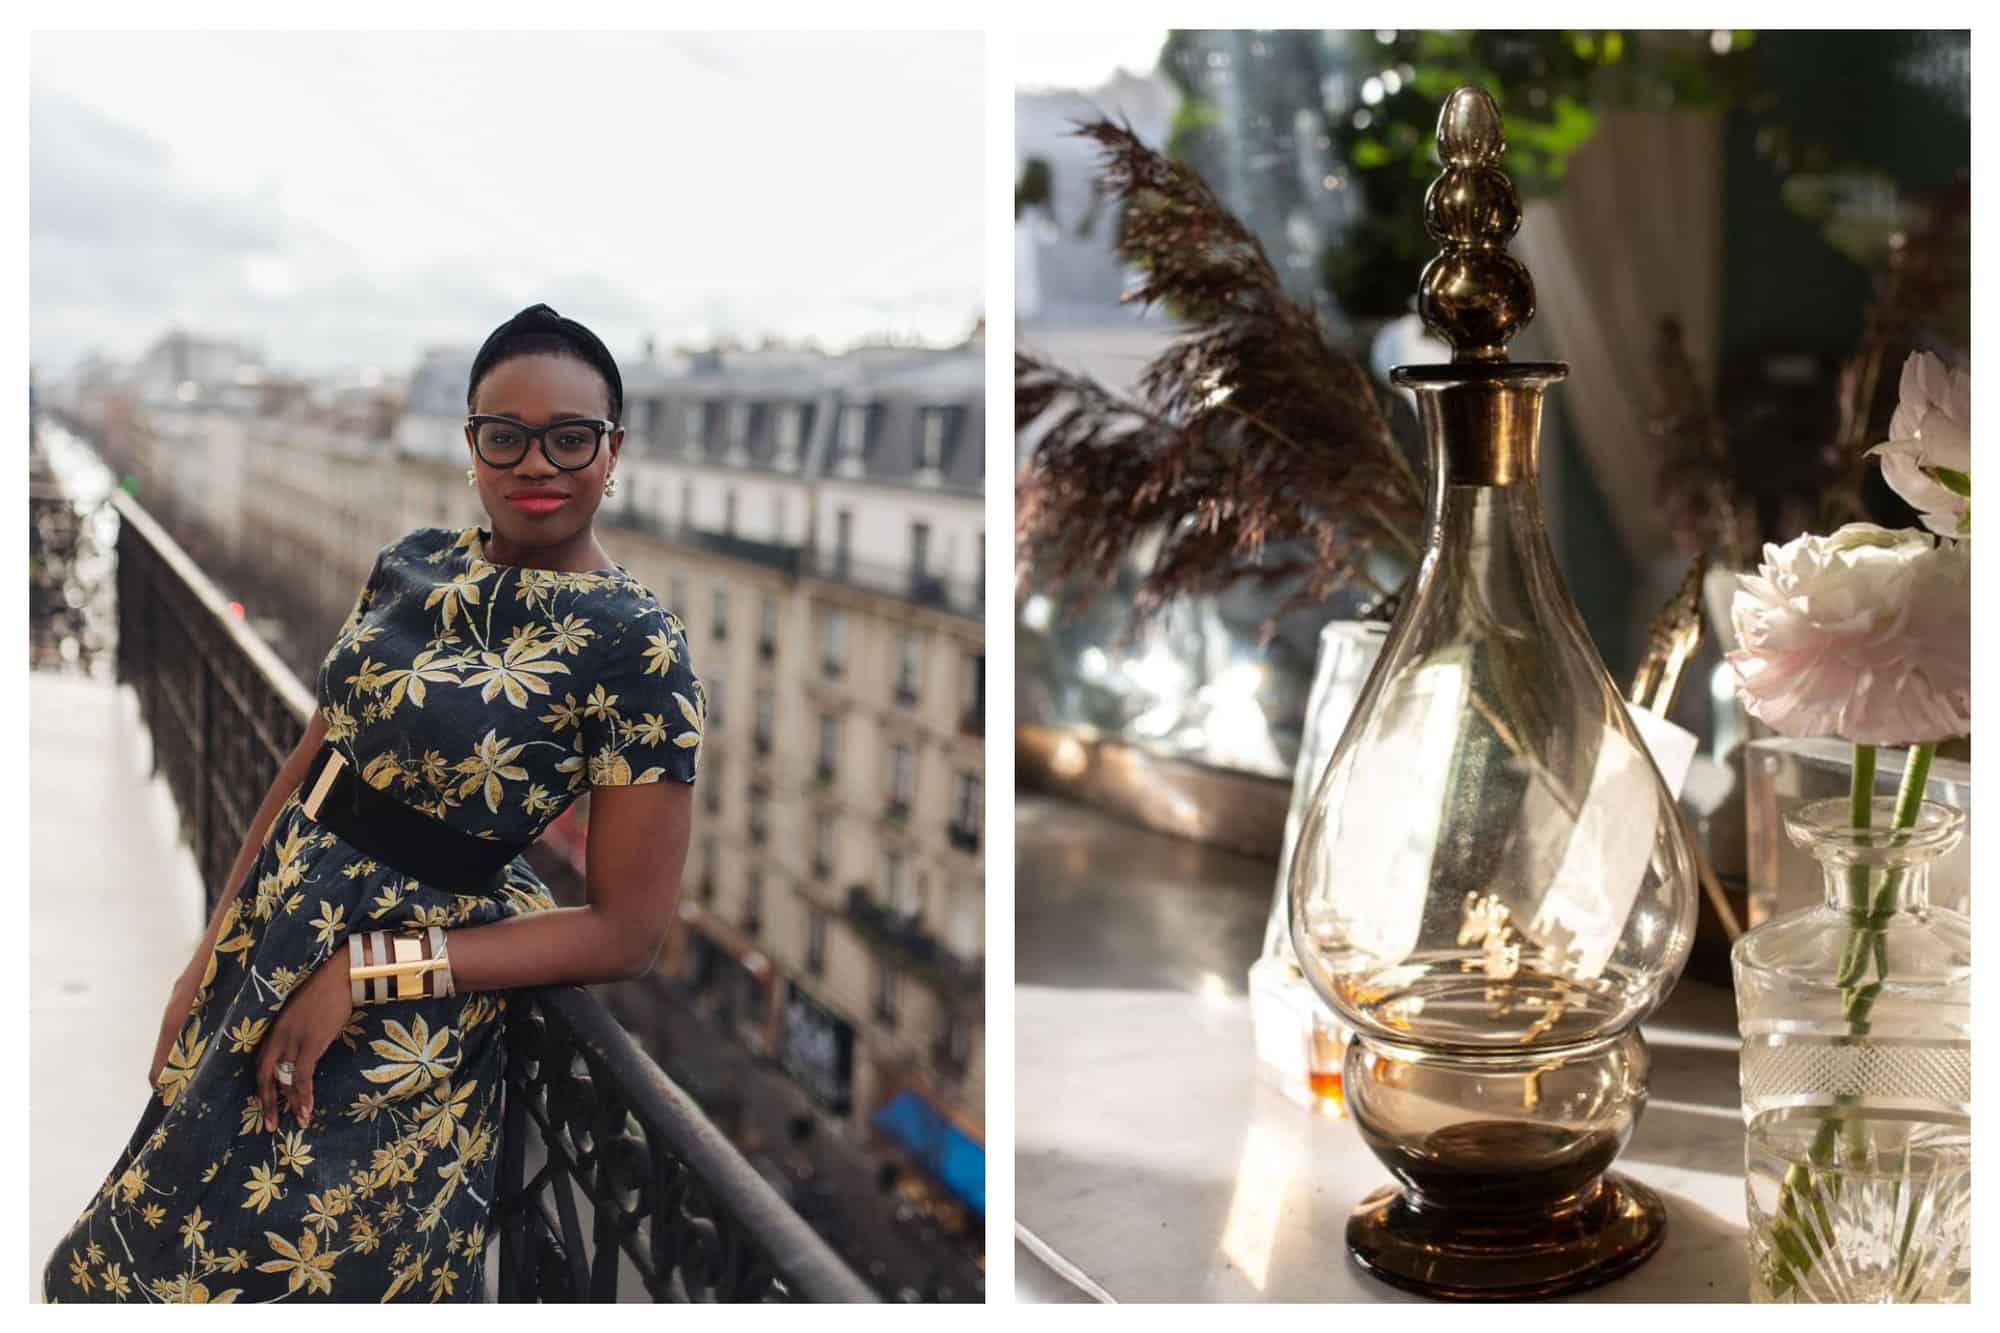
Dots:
{"x": 115, "y": 910}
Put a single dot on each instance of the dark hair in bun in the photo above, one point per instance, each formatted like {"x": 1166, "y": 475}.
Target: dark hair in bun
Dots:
{"x": 540, "y": 331}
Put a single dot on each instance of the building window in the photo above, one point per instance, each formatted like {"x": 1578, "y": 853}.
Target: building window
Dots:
{"x": 712, "y": 719}
{"x": 853, "y": 436}
{"x": 721, "y": 609}
{"x": 706, "y": 886}
{"x": 729, "y": 513}
{"x": 843, "y": 541}
{"x": 767, "y": 629}
{"x": 677, "y": 593}
{"x": 972, "y": 697}
{"x": 954, "y": 1048}
{"x": 791, "y": 434}
{"x": 829, "y": 747}
{"x": 899, "y": 888}
{"x": 965, "y": 926}
{"x": 965, "y": 814}
{"x": 909, "y": 668}
{"x": 711, "y": 782}
{"x": 767, "y": 720}
{"x": 753, "y": 903}
{"x": 902, "y": 780}
{"x": 920, "y": 552}
{"x": 739, "y": 425}
{"x": 815, "y": 941}
{"x": 935, "y": 436}
{"x": 835, "y": 647}
{"x": 823, "y": 846}
{"x": 694, "y": 421}
{"x": 885, "y": 997}
{"x": 687, "y": 504}
{"x": 760, "y": 814}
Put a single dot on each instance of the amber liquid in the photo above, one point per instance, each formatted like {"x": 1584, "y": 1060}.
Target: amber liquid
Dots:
{"x": 1327, "y": 1089}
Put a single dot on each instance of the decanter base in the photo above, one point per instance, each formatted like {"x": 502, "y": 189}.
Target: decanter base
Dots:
{"x": 1453, "y": 1255}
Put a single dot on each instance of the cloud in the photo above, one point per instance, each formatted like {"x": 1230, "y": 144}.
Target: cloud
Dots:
{"x": 124, "y": 246}
{"x": 807, "y": 185}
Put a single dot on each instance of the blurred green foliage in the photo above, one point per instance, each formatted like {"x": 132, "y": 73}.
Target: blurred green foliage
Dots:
{"x": 1376, "y": 94}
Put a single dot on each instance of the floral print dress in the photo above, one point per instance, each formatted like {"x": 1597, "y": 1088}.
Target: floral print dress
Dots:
{"x": 489, "y": 696}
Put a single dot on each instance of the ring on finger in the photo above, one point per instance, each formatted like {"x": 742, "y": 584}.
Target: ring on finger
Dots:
{"x": 284, "y": 1071}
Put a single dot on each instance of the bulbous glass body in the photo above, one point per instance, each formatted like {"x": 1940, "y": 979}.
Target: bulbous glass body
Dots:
{"x": 1491, "y": 871}
{"x": 1491, "y": 861}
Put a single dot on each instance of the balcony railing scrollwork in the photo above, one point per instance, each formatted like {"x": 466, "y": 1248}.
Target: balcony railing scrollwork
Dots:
{"x": 909, "y": 945}
{"x": 594, "y": 1134}
{"x": 959, "y": 596}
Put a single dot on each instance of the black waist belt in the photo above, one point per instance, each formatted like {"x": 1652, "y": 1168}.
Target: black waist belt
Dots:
{"x": 405, "y": 840}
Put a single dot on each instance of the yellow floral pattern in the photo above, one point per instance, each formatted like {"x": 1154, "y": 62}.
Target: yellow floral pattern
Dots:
{"x": 489, "y": 696}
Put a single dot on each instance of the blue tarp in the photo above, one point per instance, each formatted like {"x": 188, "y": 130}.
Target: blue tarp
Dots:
{"x": 947, "y": 1152}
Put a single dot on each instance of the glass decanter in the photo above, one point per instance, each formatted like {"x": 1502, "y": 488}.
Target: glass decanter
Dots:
{"x": 1492, "y": 886}
{"x": 1856, "y": 1017}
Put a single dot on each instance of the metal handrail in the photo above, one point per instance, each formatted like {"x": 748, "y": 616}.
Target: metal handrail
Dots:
{"x": 667, "y": 1193}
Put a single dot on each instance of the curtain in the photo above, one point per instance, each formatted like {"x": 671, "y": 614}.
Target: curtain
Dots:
{"x": 1635, "y": 236}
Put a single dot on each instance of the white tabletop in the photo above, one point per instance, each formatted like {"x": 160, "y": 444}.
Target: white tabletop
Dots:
{"x": 1153, "y": 1164}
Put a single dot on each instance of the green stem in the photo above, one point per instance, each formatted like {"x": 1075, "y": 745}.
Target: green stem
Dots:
{"x": 1861, "y": 788}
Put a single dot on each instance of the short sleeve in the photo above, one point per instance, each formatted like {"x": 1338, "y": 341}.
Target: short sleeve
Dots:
{"x": 643, "y": 718}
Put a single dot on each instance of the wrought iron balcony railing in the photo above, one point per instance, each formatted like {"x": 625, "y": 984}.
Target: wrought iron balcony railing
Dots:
{"x": 959, "y": 596}
{"x": 905, "y": 940}
{"x": 620, "y": 1148}
{"x": 965, "y": 837}
{"x": 771, "y": 555}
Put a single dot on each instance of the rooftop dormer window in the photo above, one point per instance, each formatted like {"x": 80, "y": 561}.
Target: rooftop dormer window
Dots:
{"x": 853, "y": 439}
{"x": 738, "y": 433}
{"x": 694, "y": 426}
{"x": 933, "y": 439}
{"x": 790, "y": 436}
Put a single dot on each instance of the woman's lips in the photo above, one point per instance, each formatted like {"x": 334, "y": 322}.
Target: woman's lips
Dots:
{"x": 537, "y": 503}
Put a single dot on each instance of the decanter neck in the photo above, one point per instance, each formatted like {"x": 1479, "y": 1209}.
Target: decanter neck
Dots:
{"x": 1482, "y": 420}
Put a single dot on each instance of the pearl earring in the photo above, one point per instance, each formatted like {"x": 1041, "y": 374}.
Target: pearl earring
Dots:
{"x": 471, "y": 477}
{"x": 610, "y": 484}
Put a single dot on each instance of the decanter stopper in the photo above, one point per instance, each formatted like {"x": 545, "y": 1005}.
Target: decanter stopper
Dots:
{"x": 1473, "y": 294}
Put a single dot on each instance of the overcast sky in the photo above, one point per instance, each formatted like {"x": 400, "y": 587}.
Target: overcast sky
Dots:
{"x": 344, "y": 200}
{"x": 1083, "y": 60}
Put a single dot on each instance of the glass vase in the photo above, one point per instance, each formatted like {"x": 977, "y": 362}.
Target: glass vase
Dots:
{"x": 1492, "y": 885}
{"x": 1300, "y": 1045}
{"x": 1857, "y": 1071}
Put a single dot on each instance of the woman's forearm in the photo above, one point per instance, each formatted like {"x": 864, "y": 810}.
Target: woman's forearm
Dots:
{"x": 580, "y": 946}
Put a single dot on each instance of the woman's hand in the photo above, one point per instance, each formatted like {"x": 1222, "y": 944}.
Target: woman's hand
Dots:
{"x": 314, "y": 1013}
{"x": 179, "y": 1005}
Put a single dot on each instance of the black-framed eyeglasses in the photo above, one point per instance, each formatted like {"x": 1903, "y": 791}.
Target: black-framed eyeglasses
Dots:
{"x": 569, "y": 444}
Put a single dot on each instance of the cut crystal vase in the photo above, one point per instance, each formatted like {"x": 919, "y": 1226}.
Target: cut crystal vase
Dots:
{"x": 1857, "y": 1071}
{"x": 1491, "y": 887}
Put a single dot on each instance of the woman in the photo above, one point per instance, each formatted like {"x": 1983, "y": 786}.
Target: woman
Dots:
{"x": 317, "y": 1134}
